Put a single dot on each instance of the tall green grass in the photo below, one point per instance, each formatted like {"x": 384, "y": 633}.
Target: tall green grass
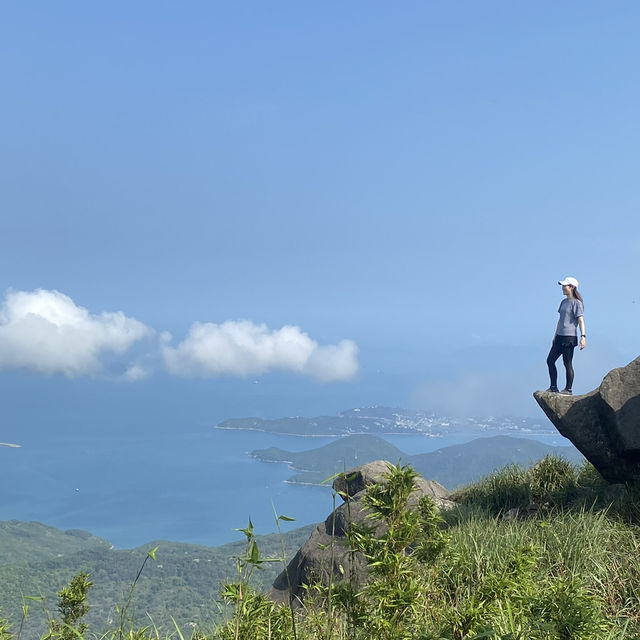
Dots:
{"x": 545, "y": 553}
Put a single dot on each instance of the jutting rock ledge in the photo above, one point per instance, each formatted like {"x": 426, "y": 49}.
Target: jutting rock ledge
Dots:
{"x": 604, "y": 424}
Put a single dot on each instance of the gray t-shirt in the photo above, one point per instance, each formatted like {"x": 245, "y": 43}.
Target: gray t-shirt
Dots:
{"x": 570, "y": 310}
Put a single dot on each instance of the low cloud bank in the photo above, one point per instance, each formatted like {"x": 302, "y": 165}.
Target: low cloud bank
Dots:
{"x": 45, "y": 331}
{"x": 242, "y": 348}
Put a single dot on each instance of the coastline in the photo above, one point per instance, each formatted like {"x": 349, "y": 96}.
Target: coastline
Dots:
{"x": 335, "y": 435}
{"x": 305, "y": 484}
{"x": 259, "y": 459}
{"x": 289, "y": 464}
{"x": 481, "y": 430}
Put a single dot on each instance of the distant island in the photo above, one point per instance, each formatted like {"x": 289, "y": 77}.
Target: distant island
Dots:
{"x": 451, "y": 466}
{"x": 386, "y": 420}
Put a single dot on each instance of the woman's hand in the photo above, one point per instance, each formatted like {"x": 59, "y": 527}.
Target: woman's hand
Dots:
{"x": 583, "y": 333}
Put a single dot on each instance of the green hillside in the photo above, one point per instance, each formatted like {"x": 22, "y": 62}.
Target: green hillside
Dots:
{"x": 315, "y": 465}
{"x": 461, "y": 464}
{"x": 22, "y": 542}
{"x": 183, "y": 582}
{"x": 451, "y": 466}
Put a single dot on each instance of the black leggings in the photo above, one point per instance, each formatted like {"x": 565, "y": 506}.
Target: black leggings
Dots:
{"x": 562, "y": 345}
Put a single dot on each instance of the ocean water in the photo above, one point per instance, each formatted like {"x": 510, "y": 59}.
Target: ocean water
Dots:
{"x": 196, "y": 484}
{"x": 144, "y": 462}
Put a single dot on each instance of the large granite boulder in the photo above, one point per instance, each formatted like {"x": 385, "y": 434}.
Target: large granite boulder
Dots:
{"x": 604, "y": 424}
{"x": 353, "y": 482}
{"x": 325, "y": 555}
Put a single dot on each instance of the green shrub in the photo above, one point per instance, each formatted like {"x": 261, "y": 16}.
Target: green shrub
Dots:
{"x": 588, "y": 477}
{"x": 569, "y": 611}
{"x": 554, "y": 480}
{"x": 72, "y": 607}
{"x": 507, "y": 488}
{"x": 401, "y": 538}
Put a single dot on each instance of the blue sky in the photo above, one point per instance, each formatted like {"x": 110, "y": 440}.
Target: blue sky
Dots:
{"x": 310, "y": 206}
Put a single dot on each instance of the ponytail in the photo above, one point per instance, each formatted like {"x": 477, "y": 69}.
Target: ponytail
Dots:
{"x": 576, "y": 294}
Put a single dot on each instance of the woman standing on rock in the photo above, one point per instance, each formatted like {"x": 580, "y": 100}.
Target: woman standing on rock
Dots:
{"x": 565, "y": 341}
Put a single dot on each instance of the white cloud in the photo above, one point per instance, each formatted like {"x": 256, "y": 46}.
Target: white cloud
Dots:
{"x": 47, "y": 332}
{"x": 242, "y": 348}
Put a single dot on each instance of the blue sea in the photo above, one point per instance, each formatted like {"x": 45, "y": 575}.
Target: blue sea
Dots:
{"x": 138, "y": 463}
{"x": 194, "y": 485}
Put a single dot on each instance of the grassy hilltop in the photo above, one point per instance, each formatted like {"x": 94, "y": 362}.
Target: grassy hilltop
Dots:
{"x": 550, "y": 552}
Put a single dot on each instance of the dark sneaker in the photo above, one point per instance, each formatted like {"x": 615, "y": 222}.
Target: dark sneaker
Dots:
{"x": 566, "y": 392}
{"x": 553, "y": 390}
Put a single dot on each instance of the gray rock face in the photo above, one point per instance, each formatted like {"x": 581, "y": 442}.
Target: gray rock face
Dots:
{"x": 325, "y": 555}
{"x": 360, "y": 478}
{"x": 604, "y": 424}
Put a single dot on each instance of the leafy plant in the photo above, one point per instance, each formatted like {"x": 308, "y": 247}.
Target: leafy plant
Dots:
{"x": 254, "y": 616}
{"x": 401, "y": 536}
{"x": 72, "y": 607}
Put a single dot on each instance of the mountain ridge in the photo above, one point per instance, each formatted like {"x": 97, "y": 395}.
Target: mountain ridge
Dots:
{"x": 451, "y": 466}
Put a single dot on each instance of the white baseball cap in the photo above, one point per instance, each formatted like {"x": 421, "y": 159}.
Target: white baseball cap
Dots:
{"x": 569, "y": 280}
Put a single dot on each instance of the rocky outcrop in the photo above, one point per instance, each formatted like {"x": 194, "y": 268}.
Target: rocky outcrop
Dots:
{"x": 604, "y": 424}
{"x": 325, "y": 555}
